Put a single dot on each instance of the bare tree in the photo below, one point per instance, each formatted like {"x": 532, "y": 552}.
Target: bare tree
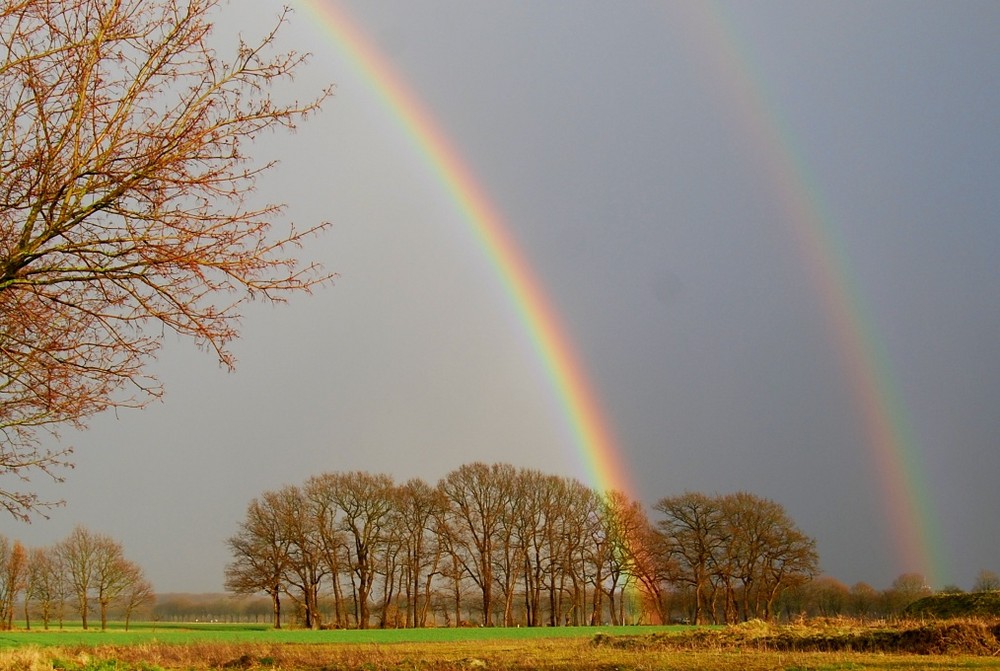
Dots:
{"x": 366, "y": 503}
{"x": 478, "y": 496}
{"x": 626, "y": 528}
{"x": 97, "y": 571}
{"x": 863, "y": 600}
{"x": 305, "y": 568}
{"x": 752, "y": 526}
{"x": 138, "y": 592}
{"x": 418, "y": 505}
{"x": 789, "y": 560}
{"x": 48, "y": 589}
{"x": 507, "y": 567}
{"x": 826, "y": 596}
{"x": 261, "y": 553}
{"x": 718, "y": 541}
{"x": 579, "y": 528}
{"x": 114, "y": 575}
{"x": 986, "y": 581}
{"x": 124, "y": 204}
{"x": 333, "y": 540}
{"x": 13, "y": 576}
{"x": 596, "y": 555}
{"x": 78, "y": 555}
{"x": 655, "y": 571}
{"x": 536, "y": 497}
{"x": 905, "y": 589}
{"x": 691, "y": 528}
{"x": 450, "y": 541}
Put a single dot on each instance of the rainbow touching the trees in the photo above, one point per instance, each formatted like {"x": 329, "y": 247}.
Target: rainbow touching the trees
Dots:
{"x": 592, "y": 436}
{"x": 893, "y": 448}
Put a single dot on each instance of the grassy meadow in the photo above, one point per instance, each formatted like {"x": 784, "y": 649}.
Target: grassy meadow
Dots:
{"x": 200, "y": 647}
{"x": 195, "y": 633}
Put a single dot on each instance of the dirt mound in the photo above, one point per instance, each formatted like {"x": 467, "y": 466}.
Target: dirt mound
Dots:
{"x": 935, "y": 638}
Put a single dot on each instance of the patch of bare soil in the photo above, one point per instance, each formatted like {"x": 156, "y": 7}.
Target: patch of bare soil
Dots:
{"x": 928, "y": 638}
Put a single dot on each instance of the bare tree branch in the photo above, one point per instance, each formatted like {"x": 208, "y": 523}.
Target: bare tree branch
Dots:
{"x": 125, "y": 204}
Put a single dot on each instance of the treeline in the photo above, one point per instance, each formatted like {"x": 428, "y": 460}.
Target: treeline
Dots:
{"x": 211, "y": 607}
{"x": 828, "y": 597}
{"x": 495, "y": 545}
{"x": 83, "y": 574}
{"x": 823, "y": 596}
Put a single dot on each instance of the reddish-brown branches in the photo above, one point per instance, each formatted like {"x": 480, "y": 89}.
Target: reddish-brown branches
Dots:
{"x": 124, "y": 202}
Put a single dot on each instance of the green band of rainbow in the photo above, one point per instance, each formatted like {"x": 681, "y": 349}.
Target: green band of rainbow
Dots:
{"x": 895, "y": 453}
{"x": 593, "y": 439}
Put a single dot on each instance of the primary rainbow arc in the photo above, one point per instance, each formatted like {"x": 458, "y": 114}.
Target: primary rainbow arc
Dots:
{"x": 593, "y": 439}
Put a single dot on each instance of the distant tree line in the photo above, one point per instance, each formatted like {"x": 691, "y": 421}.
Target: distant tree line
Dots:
{"x": 211, "y": 607}
{"x": 495, "y": 545}
{"x": 86, "y": 573}
{"x": 826, "y": 596}
{"x": 823, "y": 596}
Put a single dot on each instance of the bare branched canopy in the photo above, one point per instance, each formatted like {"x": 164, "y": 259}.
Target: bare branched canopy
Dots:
{"x": 125, "y": 208}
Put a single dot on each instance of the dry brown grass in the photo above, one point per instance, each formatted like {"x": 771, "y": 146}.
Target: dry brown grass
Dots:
{"x": 754, "y": 646}
{"x": 943, "y": 637}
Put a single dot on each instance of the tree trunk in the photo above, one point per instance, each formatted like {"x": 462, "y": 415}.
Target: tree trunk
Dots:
{"x": 340, "y": 615}
{"x": 458, "y": 598}
{"x": 422, "y": 619}
{"x": 487, "y": 589}
{"x": 276, "y": 606}
{"x": 612, "y": 606}
{"x": 595, "y": 615}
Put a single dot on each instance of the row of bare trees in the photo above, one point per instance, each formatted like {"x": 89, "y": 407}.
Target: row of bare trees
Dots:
{"x": 736, "y": 553}
{"x": 84, "y": 573}
{"x": 826, "y": 596}
{"x": 506, "y": 546}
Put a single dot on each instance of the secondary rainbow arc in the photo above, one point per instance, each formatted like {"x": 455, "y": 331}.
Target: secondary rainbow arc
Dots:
{"x": 894, "y": 449}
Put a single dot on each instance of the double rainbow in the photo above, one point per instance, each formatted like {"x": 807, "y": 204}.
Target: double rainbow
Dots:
{"x": 893, "y": 448}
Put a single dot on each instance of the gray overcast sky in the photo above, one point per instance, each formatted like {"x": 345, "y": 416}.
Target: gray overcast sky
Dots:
{"x": 618, "y": 142}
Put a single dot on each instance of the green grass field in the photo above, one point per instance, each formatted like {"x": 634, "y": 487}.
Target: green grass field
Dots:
{"x": 188, "y": 633}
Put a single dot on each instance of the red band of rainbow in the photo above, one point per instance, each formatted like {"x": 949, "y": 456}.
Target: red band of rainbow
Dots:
{"x": 591, "y": 434}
